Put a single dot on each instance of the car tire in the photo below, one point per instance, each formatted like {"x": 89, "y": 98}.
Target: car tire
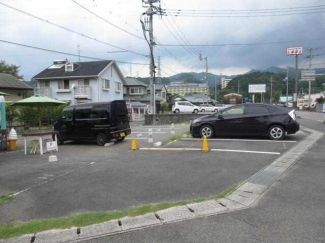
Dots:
{"x": 207, "y": 131}
{"x": 101, "y": 139}
{"x": 196, "y": 111}
{"x": 216, "y": 110}
{"x": 177, "y": 111}
{"x": 276, "y": 132}
{"x": 203, "y": 110}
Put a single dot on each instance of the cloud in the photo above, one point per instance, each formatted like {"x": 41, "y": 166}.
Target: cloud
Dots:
{"x": 20, "y": 28}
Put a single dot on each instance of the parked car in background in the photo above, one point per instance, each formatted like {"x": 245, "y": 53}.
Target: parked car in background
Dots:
{"x": 208, "y": 108}
{"x": 100, "y": 122}
{"x": 249, "y": 120}
{"x": 221, "y": 106}
{"x": 184, "y": 106}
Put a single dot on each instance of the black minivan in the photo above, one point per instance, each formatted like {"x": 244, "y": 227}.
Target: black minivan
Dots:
{"x": 100, "y": 122}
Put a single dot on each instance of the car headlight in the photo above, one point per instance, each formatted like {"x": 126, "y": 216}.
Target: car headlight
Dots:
{"x": 195, "y": 121}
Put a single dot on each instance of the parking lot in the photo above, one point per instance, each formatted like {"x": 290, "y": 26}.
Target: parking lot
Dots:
{"x": 87, "y": 177}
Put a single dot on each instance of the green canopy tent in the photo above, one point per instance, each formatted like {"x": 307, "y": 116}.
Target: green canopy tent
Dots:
{"x": 39, "y": 101}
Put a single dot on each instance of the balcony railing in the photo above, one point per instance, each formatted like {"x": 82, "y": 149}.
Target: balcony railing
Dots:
{"x": 82, "y": 92}
{"x": 43, "y": 91}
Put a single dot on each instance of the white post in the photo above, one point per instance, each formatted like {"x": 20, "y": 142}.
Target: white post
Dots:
{"x": 40, "y": 139}
{"x": 150, "y": 139}
{"x": 173, "y": 129}
{"x": 25, "y": 143}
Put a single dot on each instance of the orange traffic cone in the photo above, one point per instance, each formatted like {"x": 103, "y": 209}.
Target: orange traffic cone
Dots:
{"x": 205, "y": 147}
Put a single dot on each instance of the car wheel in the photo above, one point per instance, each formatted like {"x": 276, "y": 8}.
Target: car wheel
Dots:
{"x": 196, "y": 111}
{"x": 203, "y": 110}
{"x": 276, "y": 132}
{"x": 120, "y": 139}
{"x": 101, "y": 139}
{"x": 206, "y": 131}
{"x": 177, "y": 111}
{"x": 216, "y": 110}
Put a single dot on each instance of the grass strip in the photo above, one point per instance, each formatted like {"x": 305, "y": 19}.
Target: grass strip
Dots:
{"x": 7, "y": 197}
{"x": 15, "y": 229}
{"x": 175, "y": 137}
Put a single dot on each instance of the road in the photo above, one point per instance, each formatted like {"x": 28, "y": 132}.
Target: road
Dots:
{"x": 291, "y": 211}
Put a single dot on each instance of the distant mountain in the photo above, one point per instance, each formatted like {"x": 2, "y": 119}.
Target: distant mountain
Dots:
{"x": 292, "y": 70}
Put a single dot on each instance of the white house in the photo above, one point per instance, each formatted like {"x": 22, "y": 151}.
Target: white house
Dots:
{"x": 81, "y": 82}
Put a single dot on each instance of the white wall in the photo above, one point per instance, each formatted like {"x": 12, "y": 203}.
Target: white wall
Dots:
{"x": 109, "y": 95}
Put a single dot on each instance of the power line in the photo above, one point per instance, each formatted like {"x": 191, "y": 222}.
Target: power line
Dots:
{"x": 69, "y": 30}
{"x": 244, "y": 44}
{"x": 169, "y": 69}
{"x": 251, "y": 10}
{"x": 105, "y": 20}
{"x": 64, "y": 53}
{"x": 233, "y": 15}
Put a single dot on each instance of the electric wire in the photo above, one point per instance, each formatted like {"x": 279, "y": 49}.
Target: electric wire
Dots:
{"x": 69, "y": 30}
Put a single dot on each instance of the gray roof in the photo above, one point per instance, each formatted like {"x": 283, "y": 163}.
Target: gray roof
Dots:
{"x": 157, "y": 87}
{"x": 134, "y": 82}
{"x": 8, "y": 81}
{"x": 187, "y": 85}
{"x": 82, "y": 69}
{"x": 142, "y": 98}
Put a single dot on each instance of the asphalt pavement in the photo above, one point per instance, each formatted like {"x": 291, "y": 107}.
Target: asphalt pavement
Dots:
{"x": 91, "y": 178}
{"x": 291, "y": 211}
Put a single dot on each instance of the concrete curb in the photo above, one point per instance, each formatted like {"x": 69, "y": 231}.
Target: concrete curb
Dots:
{"x": 245, "y": 196}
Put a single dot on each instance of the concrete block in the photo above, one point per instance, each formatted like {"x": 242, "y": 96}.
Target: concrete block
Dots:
{"x": 139, "y": 221}
{"x": 21, "y": 239}
{"x": 280, "y": 169}
{"x": 246, "y": 201}
{"x": 230, "y": 204}
{"x": 175, "y": 213}
{"x": 100, "y": 229}
{"x": 207, "y": 207}
{"x": 252, "y": 187}
{"x": 54, "y": 236}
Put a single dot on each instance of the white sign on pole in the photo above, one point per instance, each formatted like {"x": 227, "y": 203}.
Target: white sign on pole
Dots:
{"x": 294, "y": 51}
{"x": 308, "y": 75}
{"x": 257, "y": 88}
{"x": 51, "y": 146}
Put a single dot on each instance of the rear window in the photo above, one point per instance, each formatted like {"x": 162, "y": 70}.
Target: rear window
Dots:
{"x": 119, "y": 108}
{"x": 83, "y": 112}
{"x": 252, "y": 110}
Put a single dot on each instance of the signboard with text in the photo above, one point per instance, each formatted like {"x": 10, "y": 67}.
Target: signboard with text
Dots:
{"x": 308, "y": 75}
{"x": 257, "y": 88}
{"x": 294, "y": 51}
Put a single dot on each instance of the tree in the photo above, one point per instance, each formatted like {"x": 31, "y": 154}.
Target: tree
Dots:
{"x": 10, "y": 69}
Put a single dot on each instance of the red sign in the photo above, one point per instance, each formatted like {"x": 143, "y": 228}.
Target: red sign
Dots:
{"x": 294, "y": 51}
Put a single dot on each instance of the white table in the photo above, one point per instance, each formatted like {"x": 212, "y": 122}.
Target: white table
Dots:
{"x": 40, "y": 135}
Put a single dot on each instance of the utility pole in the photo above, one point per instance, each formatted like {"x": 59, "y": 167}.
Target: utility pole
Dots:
{"x": 206, "y": 71}
{"x": 147, "y": 26}
{"x": 271, "y": 100}
{"x": 310, "y": 56}
{"x": 295, "y": 95}
{"x": 287, "y": 84}
{"x": 79, "y": 51}
{"x": 215, "y": 89}
{"x": 159, "y": 71}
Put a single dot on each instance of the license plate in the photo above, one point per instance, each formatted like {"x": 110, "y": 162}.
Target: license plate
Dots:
{"x": 122, "y": 134}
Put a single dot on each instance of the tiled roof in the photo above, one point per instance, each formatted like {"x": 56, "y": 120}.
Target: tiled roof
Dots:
{"x": 82, "y": 69}
{"x": 8, "y": 81}
{"x": 134, "y": 82}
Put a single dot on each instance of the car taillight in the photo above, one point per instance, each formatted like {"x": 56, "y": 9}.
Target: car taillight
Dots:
{"x": 292, "y": 114}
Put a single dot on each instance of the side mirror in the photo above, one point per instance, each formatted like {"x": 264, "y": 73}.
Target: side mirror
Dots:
{"x": 220, "y": 116}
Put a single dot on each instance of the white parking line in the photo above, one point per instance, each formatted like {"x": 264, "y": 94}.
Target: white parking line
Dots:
{"x": 240, "y": 140}
{"x": 148, "y": 132}
{"x": 212, "y": 150}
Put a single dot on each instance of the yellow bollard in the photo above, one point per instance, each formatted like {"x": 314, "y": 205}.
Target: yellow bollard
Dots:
{"x": 205, "y": 147}
{"x": 134, "y": 144}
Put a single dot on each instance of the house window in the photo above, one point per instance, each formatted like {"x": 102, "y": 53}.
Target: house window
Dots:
{"x": 44, "y": 84}
{"x": 64, "y": 84}
{"x": 69, "y": 67}
{"x": 118, "y": 87}
{"x": 136, "y": 91}
{"x": 83, "y": 82}
{"x": 105, "y": 84}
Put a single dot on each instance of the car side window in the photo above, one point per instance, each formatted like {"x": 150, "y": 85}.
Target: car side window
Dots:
{"x": 83, "y": 112}
{"x": 253, "y": 110}
{"x": 99, "y": 111}
{"x": 235, "y": 111}
{"x": 67, "y": 115}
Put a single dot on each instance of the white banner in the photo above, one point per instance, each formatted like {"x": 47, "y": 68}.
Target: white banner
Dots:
{"x": 257, "y": 88}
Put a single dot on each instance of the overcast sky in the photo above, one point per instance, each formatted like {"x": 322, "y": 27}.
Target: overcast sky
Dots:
{"x": 21, "y": 28}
